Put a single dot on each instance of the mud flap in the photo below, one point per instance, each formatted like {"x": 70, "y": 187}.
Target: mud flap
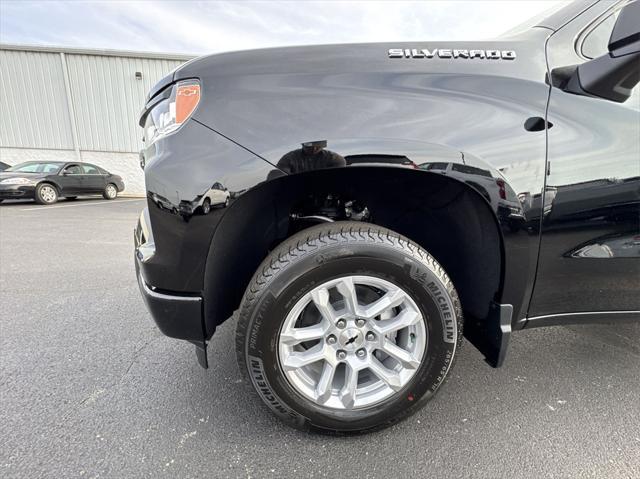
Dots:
{"x": 201, "y": 353}
{"x": 491, "y": 335}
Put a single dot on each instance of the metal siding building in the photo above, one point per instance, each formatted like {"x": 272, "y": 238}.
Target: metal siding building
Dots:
{"x": 72, "y": 104}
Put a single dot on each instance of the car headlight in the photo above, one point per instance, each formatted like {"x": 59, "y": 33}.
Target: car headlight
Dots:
{"x": 16, "y": 181}
{"x": 169, "y": 114}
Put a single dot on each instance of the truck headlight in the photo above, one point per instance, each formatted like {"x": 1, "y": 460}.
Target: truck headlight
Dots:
{"x": 169, "y": 114}
{"x": 17, "y": 181}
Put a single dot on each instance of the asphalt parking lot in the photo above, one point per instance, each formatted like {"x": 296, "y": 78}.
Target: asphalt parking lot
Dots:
{"x": 90, "y": 388}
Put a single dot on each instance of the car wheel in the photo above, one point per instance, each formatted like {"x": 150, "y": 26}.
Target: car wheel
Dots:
{"x": 226, "y": 202}
{"x": 348, "y": 327}
{"x": 206, "y": 206}
{"x": 46, "y": 194}
{"x": 110, "y": 192}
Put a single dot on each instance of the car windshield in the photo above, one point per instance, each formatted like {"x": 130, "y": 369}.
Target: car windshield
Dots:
{"x": 36, "y": 167}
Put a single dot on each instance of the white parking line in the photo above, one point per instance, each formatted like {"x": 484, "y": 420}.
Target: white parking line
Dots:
{"x": 98, "y": 202}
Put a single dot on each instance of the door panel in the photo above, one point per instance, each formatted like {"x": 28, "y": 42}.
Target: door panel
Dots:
{"x": 71, "y": 182}
{"x": 590, "y": 245}
{"x": 93, "y": 180}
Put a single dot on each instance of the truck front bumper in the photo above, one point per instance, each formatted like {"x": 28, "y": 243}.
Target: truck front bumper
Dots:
{"x": 177, "y": 315}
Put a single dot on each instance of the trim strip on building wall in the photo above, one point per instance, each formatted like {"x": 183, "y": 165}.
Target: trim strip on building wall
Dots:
{"x": 71, "y": 110}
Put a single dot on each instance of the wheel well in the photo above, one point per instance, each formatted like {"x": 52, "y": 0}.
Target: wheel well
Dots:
{"x": 50, "y": 183}
{"x": 448, "y": 218}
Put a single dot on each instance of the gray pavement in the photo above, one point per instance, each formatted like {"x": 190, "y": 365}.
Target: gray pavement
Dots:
{"x": 90, "y": 388}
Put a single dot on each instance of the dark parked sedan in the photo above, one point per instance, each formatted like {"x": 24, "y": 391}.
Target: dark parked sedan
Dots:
{"x": 47, "y": 181}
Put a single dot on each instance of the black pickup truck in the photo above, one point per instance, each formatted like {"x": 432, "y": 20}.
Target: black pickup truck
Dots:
{"x": 380, "y": 201}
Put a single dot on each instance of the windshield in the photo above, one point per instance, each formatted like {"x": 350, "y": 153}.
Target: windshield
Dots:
{"x": 35, "y": 167}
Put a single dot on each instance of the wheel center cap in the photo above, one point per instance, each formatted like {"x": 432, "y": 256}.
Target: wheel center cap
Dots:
{"x": 351, "y": 339}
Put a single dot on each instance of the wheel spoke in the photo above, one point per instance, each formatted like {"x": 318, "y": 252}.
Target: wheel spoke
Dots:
{"x": 320, "y": 298}
{"x": 348, "y": 391}
{"x": 385, "y": 374}
{"x": 406, "y": 318}
{"x": 405, "y": 357}
{"x": 300, "y": 335}
{"x": 390, "y": 300}
{"x": 300, "y": 359}
{"x": 323, "y": 388}
{"x": 348, "y": 291}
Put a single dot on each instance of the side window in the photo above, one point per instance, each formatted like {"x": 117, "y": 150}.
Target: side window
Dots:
{"x": 596, "y": 42}
{"x": 73, "y": 170}
{"x": 91, "y": 170}
{"x": 470, "y": 170}
{"x": 434, "y": 166}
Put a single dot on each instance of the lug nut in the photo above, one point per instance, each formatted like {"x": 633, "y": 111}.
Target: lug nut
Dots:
{"x": 331, "y": 339}
{"x": 342, "y": 355}
{"x": 370, "y": 336}
{"x": 360, "y": 322}
{"x": 361, "y": 353}
{"x": 341, "y": 323}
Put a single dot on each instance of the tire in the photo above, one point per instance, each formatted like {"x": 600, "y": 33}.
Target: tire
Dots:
{"x": 206, "y": 206}
{"x": 226, "y": 202}
{"x": 330, "y": 257}
{"x": 110, "y": 192}
{"x": 46, "y": 194}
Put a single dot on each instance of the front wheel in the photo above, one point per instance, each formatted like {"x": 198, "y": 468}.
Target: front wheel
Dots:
{"x": 110, "y": 192}
{"x": 348, "y": 327}
{"x": 46, "y": 194}
{"x": 206, "y": 206}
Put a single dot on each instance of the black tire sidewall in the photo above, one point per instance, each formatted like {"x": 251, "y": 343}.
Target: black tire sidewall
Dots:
{"x": 289, "y": 285}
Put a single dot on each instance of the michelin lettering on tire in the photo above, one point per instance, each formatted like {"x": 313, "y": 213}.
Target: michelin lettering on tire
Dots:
{"x": 443, "y": 299}
{"x": 256, "y": 368}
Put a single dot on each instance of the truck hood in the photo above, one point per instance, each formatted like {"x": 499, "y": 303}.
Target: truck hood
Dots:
{"x": 348, "y": 58}
{"x": 359, "y": 58}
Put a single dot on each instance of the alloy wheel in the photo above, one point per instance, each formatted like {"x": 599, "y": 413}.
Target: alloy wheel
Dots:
{"x": 352, "y": 342}
{"x": 111, "y": 191}
{"x": 48, "y": 194}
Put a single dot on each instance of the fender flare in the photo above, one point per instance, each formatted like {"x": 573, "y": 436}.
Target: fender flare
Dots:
{"x": 259, "y": 211}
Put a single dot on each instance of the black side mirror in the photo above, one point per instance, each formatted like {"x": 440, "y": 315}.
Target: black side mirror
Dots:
{"x": 611, "y": 76}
